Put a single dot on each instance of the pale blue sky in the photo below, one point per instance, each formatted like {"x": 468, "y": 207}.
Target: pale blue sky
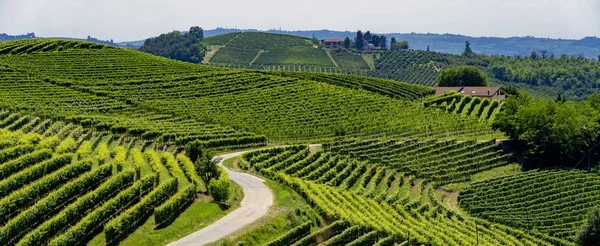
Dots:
{"x": 138, "y": 19}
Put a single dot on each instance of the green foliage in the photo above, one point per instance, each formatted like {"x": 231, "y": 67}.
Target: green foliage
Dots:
{"x": 219, "y": 39}
{"x": 219, "y": 188}
{"x": 347, "y": 43}
{"x": 67, "y": 145}
{"x": 399, "y": 46}
{"x": 122, "y": 225}
{"x": 468, "y": 51}
{"x": 462, "y": 76}
{"x": 77, "y": 210}
{"x": 94, "y": 221}
{"x": 174, "y": 45}
{"x": 15, "y": 152}
{"x": 300, "y": 55}
{"x": 359, "y": 41}
{"x": 590, "y": 232}
{"x": 23, "y": 161}
{"x": 49, "y": 143}
{"x": 168, "y": 211}
{"x": 557, "y": 134}
{"x": 28, "y": 195}
{"x": 15, "y": 228}
{"x": 552, "y": 202}
{"x": 27, "y": 175}
{"x": 293, "y": 235}
{"x": 572, "y": 77}
{"x": 190, "y": 171}
{"x": 347, "y": 59}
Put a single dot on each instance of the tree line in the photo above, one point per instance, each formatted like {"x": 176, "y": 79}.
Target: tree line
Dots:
{"x": 175, "y": 45}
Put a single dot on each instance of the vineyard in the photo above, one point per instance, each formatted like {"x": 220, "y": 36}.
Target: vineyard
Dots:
{"x": 440, "y": 161}
{"x": 417, "y": 67}
{"x": 574, "y": 78}
{"x": 181, "y": 102}
{"x": 454, "y": 102}
{"x": 551, "y": 202}
{"x": 376, "y": 203}
{"x": 266, "y": 51}
{"x": 63, "y": 185}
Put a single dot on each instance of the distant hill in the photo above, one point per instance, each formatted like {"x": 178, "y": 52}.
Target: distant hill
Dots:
{"x": 6, "y": 37}
{"x": 452, "y": 43}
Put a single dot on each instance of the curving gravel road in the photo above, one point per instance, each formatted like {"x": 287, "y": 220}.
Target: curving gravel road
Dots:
{"x": 257, "y": 201}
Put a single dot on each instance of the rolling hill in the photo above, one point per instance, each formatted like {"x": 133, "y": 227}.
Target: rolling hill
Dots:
{"x": 266, "y": 51}
{"x": 92, "y": 146}
{"x": 451, "y": 43}
{"x": 544, "y": 76}
{"x": 102, "y": 87}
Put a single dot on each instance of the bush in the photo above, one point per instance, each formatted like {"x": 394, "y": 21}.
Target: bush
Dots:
{"x": 590, "y": 232}
{"x": 66, "y": 146}
{"x": 220, "y": 189}
{"x": 462, "y": 76}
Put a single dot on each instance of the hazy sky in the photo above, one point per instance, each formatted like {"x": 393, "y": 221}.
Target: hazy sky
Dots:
{"x": 138, "y": 19}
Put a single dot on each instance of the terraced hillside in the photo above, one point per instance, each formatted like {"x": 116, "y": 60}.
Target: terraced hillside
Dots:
{"x": 162, "y": 100}
{"x": 554, "y": 202}
{"x": 268, "y": 51}
{"x": 375, "y": 203}
{"x": 454, "y": 102}
{"x": 441, "y": 161}
{"x": 63, "y": 185}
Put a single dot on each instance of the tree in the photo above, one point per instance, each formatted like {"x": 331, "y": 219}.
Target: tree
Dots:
{"x": 392, "y": 41}
{"x": 427, "y": 47}
{"x": 589, "y": 234}
{"x": 205, "y": 166}
{"x": 468, "y": 51}
{"x": 347, "y": 42}
{"x": 594, "y": 101}
{"x": 219, "y": 188}
{"x": 360, "y": 44}
{"x": 383, "y": 42}
{"x": 399, "y": 45}
{"x": 534, "y": 55}
{"x": 598, "y": 58}
{"x": 375, "y": 40}
{"x": 551, "y": 133}
{"x": 368, "y": 37}
{"x": 462, "y": 76}
{"x": 176, "y": 46}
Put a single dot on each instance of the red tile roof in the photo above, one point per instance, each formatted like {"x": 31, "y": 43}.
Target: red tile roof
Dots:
{"x": 332, "y": 40}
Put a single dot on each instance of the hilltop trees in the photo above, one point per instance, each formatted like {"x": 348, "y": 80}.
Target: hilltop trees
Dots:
{"x": 552, "y": 133}
{"x": 174, "y": 45}
{"x": 462, "y": 76}
{"x": 362, "y": 40}
{"x": 399, "y": 45}
{"x": 360, "y": 43}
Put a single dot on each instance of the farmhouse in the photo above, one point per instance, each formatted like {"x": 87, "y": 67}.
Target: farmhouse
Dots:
{"x": 492, "y": 93}
{"x": 332, "y": 43}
